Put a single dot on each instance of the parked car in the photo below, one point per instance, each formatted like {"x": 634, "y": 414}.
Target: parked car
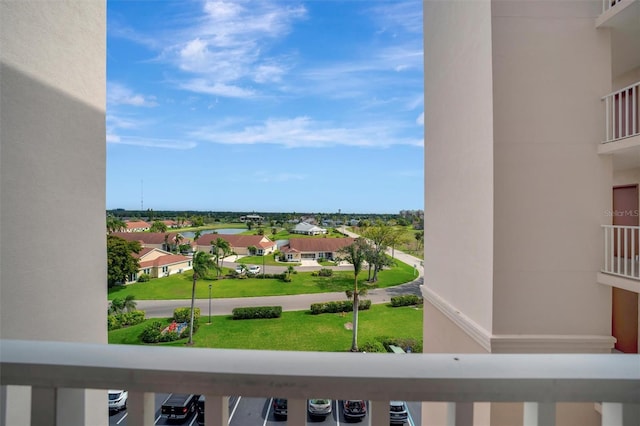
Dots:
{"x": 200, "y": 410}
{"x": 279, "y": 407}
{"x": 254, "y": 269}
{"x": 240, "y": 269}
{"x": 398, "y": 413}
{"x": 179, "y": 406}
{"x": 118, "y": 400}
{"x": 319, "y": 407}
{"x": 354, "y": 409}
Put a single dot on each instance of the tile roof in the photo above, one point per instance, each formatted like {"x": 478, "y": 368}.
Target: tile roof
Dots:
{"x": 237, "y": 240}
{"x": 137, "y": 224}
{"x": 319, "y": 244}
{"x": 165, "y": 260}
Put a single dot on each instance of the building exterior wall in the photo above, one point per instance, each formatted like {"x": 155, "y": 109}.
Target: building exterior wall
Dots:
{"x": 459, "y": 156}
{"x": 551, "y": 188}
{"x": 52, "y": 168}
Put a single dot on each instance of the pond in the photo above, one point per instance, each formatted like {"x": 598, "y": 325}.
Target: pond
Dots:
{"x": 226, "y": 231}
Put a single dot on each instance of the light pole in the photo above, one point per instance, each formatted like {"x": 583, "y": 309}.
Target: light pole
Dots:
{"x": 263, "y": 254}
{"x": 209, "y": 304}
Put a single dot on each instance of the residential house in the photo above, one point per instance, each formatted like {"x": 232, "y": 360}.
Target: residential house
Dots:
{"x": 159, "y": 263}
{"x": 308, "y": 229}
{"x": 532, "y": 167}
{"x": 160, "y": 240}
{"x": 313, "y": 248}
{"x": 240, "y": 244}
{"x": 170, "y": 223}
{"x": 252, "y": 218}
{"x": 137, "y": 226}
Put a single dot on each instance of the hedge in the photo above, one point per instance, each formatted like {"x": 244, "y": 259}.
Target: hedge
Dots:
{"x": 125, "y": 319}
{"x": 184, "y": 315}
{"x": 407, "y": 300}
{"x": 257, "y": 312}
{"x": 338, "y": 306}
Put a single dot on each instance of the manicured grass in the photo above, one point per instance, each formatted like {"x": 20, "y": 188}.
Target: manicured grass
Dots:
{"x": 178, "y": 286}
{"x": 294, "y": 330}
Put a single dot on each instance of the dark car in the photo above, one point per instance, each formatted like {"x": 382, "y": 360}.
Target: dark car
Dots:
{"x": 280, "y": 407}
{"x": 200, "y": 411}
{"x": 398, "y": 413}
{"x": 354, "y": 409}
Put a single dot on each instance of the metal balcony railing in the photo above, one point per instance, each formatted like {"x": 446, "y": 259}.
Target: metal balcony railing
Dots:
{"x": 540, "y": 380}
{"x": 621, "y": 254}
{"x": 622, "y": 109}
{"x": 608, "y": 4}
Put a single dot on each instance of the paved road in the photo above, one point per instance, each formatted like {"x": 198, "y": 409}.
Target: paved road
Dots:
{"x": 164, "y": 308}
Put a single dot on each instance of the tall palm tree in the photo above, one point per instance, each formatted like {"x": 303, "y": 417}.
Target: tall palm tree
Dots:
{"x": 202, "y": 262}
{"x": 115, "y": 224}
{"x": 129, "y": 303}
{"x": 177, "y": 240}
{"x": 355, "y": 254}
{"x": 221, "y": 249}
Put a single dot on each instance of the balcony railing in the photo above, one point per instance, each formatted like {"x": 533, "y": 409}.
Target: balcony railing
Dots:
{"x": 540, "y": 380}
{"x": 621, "y": 251}
{"x": 608, "y": 4}
{"x": 621, "y": 113}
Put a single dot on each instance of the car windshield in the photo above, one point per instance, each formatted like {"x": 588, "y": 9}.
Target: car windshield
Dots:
{"x": 354, "y": 404}
{"x": 320, "y": 401}
{"x": 113, "y": 396}
{"x": 396, "y": 408}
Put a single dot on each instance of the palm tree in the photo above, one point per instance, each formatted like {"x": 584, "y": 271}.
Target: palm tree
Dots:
{"x": 115, "y": 224}
{"x": 202, "y": 262}
{"x": 355, "y": 254}
{"x": 290, "y": 270}
{"x": 129, "y": 303}
{"x": 177, "y": 240}
{"x": 221, "y": 249}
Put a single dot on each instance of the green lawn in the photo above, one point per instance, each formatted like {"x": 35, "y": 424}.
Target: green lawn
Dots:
{"x": 257, "y": 260}
{"x": 294, "y": 330}
{"x": 178, "y": 286}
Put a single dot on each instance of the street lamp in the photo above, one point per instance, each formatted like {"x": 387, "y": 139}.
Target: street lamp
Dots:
{"x": 209, "y": 303}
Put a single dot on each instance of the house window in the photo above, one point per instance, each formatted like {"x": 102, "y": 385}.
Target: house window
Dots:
{"x": 165, "y": 269}
{"x": 147, "y": 271}
{"x": 289, "y": 256}
{"x": 189, "y": 265}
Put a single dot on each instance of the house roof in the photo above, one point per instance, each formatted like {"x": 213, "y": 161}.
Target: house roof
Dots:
{"x": 154, "y": 238}
{"x": 307, "y": 227}
{"x": 318, "y": 244}
{"x": 169, "y": 259}
{"x": 137, "y": 224}
{"x": 237, "y": 240}
{"x": 169, "y": 222}
{"x": 143, "y": 252}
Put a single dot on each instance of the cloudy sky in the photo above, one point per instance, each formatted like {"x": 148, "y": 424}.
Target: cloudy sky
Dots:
{"x": 265, "y": 106}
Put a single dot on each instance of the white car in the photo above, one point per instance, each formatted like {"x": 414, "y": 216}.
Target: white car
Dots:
{"x": 240, "y": 269}
{"x": 254, "y": 269}
{"x": 319, "y": 407}
{"x": 118, "y": 400}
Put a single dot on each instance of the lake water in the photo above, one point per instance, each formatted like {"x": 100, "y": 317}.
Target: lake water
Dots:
{"x": 227, "y": 231}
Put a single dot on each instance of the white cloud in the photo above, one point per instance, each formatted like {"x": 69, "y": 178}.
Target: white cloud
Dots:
{"x": 420, "y": 119}
{"x": 150, "y": 142}
{"x": 303, "y": 132}
{"x": 119, "y": 94}
{"x": 215, "y": 88}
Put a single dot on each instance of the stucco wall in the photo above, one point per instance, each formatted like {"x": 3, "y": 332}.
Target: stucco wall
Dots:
{"x": 551, "y": 186}
{"x": 458, "y": 237}
{"x": 52, "y": 178}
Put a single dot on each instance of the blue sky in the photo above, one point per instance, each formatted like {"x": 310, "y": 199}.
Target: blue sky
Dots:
{"x": 265, "y": 106}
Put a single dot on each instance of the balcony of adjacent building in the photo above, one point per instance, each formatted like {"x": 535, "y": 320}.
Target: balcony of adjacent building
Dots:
{"x": 621, "y": 256}
{"x": 462, "y": 384}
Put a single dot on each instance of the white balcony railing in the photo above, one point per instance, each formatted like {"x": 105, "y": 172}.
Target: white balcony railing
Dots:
{"x": 621, "y": 251}
{"x": 539, "y": 380}
{"x": 621, "y": 113}
{"x": 608, "y": 4}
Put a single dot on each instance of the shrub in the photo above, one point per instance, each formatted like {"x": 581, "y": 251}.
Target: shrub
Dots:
{"x": 406, "y": 300}
{"x": 257, "y": 312}
{"x": 325, "y": 272}
{"x": 338, "y": 306}
{"x": 184, "y": 315}
{"x": 406, "y": 344}
{"x": 373, "y": 346}
{"x": 152, "y": 332}
{"x": 143, "y": 278}
{"x": 125, "y": 319}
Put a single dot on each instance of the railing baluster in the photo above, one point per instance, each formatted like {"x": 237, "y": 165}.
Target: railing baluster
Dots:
{"x": 606, "y": 252}
{"x": 141, "y": 408}
{"x": 634, "y": 107}
{"x": 607, "y": 118}
{"x": 619, "y": 114}
{"x": 43, "y": 406}
{"x": 539, "y": 414}
{"x": 633, "y": 252}
{"x": 625, "y": 240}
{"x": 216, "y": 410}
{"x": 296, "y": 412}
{"x": 618, "y": 249}
{"x": 626, "y": 112}
{"x": 379, "y": 413}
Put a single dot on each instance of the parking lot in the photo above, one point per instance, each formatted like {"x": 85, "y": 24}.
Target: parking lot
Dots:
{"x": 258, "y": 412}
